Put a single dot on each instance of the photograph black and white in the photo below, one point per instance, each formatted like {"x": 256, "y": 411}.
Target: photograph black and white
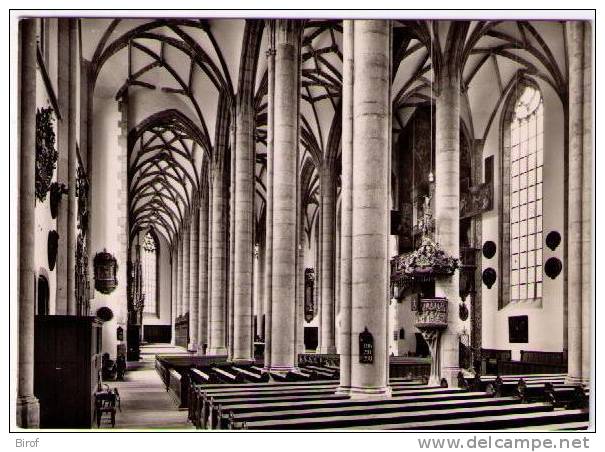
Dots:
{"x": 329, "y": 221}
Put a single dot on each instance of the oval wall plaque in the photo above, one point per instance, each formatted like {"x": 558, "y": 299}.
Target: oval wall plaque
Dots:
{"x": 489, "y": 249}
{"x": 489, "y": 277}
{"x": 552, "y": 267}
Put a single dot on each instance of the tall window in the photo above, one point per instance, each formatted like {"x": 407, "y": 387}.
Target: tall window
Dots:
{"x": 526, "y": 160}
{"x": 149, "y": 263}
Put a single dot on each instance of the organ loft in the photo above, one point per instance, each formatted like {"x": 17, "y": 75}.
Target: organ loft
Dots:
{"x": 303, "y": 223}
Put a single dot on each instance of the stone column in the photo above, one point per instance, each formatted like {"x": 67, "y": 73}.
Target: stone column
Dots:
{"x": 210, "y": 242}
{"x": 72, "y": 169}
{"x": 447, "y": 211}
{"x": 269, "y": 216}
{"x": 244, "y": 234}
{"x": 186, "y": 264}
{"x": 328, "y": 213}
{"x": 346, "y": 208}
{"x": 216, "y": 326}
{"x": 179, "y": 299}
{"x": 587, "y": 198}
{"x": 62, "y": 292}
{"x": 287, "y": 38}
{"x": 231, "y": 242}
{"x": 194, "y": 282}
{"x": 202, "y": 326}
{"x": 174, "y": 281}
{"x": 260, "y": 290}
{"x": 577, "y": 195}
{"x": 300, "y": 298}
{"x": 371, "y": 188}
{"x": 28, "y": 408}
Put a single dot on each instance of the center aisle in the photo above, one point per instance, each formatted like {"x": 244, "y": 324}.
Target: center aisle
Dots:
{"x": 145, "y": 402}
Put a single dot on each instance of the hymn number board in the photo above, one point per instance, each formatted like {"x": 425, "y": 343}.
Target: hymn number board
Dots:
{"x": 366, "y": 347}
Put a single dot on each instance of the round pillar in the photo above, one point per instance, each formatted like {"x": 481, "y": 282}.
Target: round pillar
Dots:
{"x": 346, "y": 208}
{"x": 447, "y": 211}
{"x": 287, "y": 37}
{"x": 202, "y": 326}
{"x": 328, "y": 213}
{"x": 370, "y": 212}
{"x": 28, "y": 407}
{"x": 244, "y": 234}
{"x": 194, "y": 281}
{"x": 575, "y": 38}
{"x": 217, "y": 345}
{"x": 268, "y": 307}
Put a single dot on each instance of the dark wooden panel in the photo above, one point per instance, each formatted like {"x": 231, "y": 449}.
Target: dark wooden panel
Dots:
{"x": 157, "y": 333}
{"x": 66, "y": 369}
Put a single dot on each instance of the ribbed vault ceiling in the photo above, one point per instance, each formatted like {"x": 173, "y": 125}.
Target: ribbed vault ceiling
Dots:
{"x": 175, "y": 71}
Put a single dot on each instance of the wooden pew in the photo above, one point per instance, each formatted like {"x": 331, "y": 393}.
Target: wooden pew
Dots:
{"x": 227, "y": 377}
{"x": 569, "y": 397}
{"x": 399, "y": 417}
{"x": 300, "y": 398}
{"x": 251, "y": 376}
{"x": 504, "y": 421}
{"x": 201, "y": 377}
{"x": 359, "y": 409}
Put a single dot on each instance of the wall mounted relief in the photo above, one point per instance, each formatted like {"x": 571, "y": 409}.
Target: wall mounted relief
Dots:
{"x": 553, "y": 239}
{"x": 106, "y": 269}
{"x": 463, "y": 311}
{"x": 552, "y": 267}
{"x": 489, "y": 277}
{"x": 105, "y": 314}
{"x": 56, "y": 192}
{"x": 489, "y": 249}
{"x": 366, "y": 347}
{"x": 82, "y": 194}
{"x": 518, "y": 329}
{"x": 52, "y": 247}
{"x": 309, "y": 294}
{"x": 46, "y": 155}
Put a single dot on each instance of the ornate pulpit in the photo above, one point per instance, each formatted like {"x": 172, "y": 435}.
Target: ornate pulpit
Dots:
{"x": 431, "y": 320}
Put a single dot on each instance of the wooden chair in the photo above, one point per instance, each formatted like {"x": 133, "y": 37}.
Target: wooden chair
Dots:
{"x": 105, "y": 403}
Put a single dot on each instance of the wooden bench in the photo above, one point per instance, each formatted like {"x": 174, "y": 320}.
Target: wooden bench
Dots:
{"x": 492, "y": 359}
{"x": 227, "y": 377}
{"x": 178, "y": 387}
{"x": 251, "y": 376}
{"x": 399, "y": 417}
{"x": 298, "y": 395}
{"x": 533, "y": 362}
{"x": 357, "y": 408}
{"x": 569, "y": 397}
{"x": 523, "y": 420}
{"x": 488, "y": 382}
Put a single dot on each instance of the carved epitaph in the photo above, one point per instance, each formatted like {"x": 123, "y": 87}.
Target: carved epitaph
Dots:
{"x": 106, "y": 268}
{"x": 309, "y": 294}
{"x": 518, "y": 331}
{"x": 366, "y": 347}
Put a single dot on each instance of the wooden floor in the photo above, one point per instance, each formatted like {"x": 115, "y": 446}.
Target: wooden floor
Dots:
{"x": 145, "y": 402}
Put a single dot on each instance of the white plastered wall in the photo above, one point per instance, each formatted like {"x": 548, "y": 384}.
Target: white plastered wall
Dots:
{"x": 545, "y": 321}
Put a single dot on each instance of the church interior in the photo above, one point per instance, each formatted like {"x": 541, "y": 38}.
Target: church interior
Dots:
{"x": 304, "y": 224}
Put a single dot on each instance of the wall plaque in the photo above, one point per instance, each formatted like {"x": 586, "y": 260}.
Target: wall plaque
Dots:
{"x": 52, "y": 248}
{"x": 518, "y": 329}
{"x": 309, "y": 294}
{"x": 366, "y": 347}
{"x": 120, "y": 333}
{"x": 553, "y": 267}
